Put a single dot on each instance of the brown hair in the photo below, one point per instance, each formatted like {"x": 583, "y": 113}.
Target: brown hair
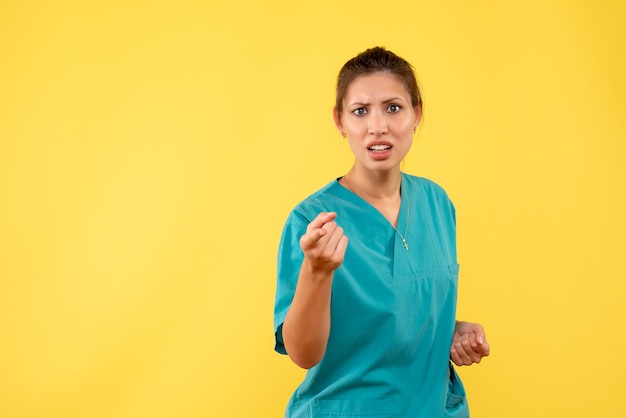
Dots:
{"x": 376, "y": 60}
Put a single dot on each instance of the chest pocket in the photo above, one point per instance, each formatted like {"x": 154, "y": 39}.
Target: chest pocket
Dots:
{"x": 378, "y": 408}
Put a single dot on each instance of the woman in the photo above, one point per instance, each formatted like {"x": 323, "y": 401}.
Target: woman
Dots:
{"x": 367, "y": 269}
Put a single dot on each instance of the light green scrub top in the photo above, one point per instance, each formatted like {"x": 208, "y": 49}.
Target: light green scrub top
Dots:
{"x": 392, "y": 309}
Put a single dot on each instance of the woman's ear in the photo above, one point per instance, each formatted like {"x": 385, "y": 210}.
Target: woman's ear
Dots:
{"x": 337, "y": 120}
{"x": 418, "y": 117}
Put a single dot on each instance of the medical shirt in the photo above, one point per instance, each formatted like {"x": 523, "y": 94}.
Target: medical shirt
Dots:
{"x": 392, "y": 309}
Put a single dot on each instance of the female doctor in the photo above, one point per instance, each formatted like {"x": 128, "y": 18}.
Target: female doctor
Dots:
{"x": 367, "y": 268}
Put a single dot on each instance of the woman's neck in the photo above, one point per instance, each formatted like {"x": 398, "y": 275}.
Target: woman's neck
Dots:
{"x": 373, "y": 185}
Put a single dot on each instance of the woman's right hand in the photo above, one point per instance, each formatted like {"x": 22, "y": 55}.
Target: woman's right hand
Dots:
{"x": 307, "y": 323}
{"x": 324, "y": 244}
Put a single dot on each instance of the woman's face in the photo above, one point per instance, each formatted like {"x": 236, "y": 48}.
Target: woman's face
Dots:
{"x": 379, "y": 121}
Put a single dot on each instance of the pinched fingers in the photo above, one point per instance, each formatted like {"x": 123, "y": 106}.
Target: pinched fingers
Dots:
{"x": 337, "y": 242}
{"x": 331, "y": 245}
{"x": 324, "y": 243}
{"x": 320, "y": 220}
{"x": 315, "y": 230}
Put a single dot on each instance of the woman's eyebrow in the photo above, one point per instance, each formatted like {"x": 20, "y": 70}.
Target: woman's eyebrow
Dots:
{"x": 391, "y": 99}
{"x": 394, "y": 99}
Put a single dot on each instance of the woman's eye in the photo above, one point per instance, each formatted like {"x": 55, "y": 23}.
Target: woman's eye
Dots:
{"x": 394, "y": 108}
{"x": 360, "y": 111}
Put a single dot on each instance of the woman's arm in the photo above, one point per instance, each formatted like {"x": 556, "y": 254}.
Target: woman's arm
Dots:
{"x": 469, "y": 344}
{"x": 307, "y": 325}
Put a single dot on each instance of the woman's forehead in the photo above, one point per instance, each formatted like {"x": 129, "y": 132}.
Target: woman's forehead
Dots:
{"x": 378, "y": 85}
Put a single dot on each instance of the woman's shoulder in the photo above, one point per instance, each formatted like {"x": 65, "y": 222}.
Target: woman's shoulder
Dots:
{"x": 322, "y": 200}
{"x": 425, "y": 185}
{"x": 432, "y": 196}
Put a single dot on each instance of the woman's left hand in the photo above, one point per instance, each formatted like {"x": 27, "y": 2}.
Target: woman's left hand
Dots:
{"x": 469, "y": 344}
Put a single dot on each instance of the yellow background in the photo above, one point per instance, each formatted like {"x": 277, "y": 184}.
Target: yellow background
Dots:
{"x": 150, "y": 152}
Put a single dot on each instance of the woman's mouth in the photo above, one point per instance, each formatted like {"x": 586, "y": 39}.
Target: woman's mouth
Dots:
{"x": 379, "y": 151}
{"x": 379, "y": 148}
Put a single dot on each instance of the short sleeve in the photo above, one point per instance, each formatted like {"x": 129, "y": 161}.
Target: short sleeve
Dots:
{"x": 290, "y": 258}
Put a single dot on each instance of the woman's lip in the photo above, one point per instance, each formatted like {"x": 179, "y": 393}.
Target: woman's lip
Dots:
{"x": 379, "y": 155}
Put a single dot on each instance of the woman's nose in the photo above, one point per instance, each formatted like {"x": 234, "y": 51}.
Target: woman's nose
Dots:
{"x": 377, "y": 124}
